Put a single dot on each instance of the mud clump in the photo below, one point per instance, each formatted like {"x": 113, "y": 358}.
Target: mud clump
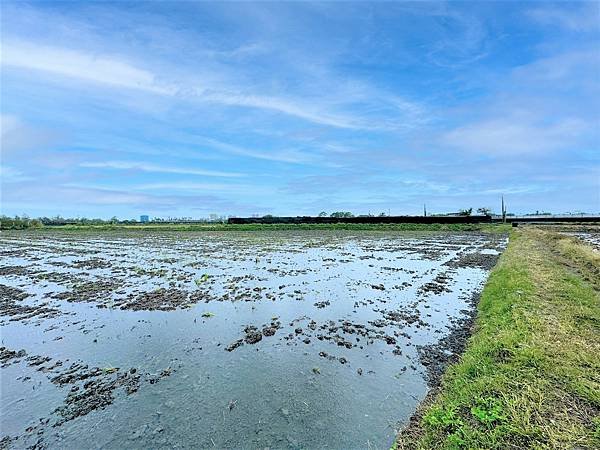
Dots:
{"x": 98, "y": 388}
{"x": 92, "y": 263}
{"x": 10, "y": 305}
{"x": 474, "y": 260}
{"x": 18, "y": 271}
{"x": 162, "y": 299}
{"x": 88, "y": 292}
{"x": 271, "y": 329}
{"x": 235, "y": 344}
{"x": 76, "y": 372}
{"x": 253, "y": 335}
{"x": 11, "y": 294}
{"x": 437, "y": 286}
{"x": 322, "y": 304}
{"x": 8, "y": 357}
{"x": 404, "y": 317}
{"x": 38, "y": 360}
{"x": 97, "y": 394}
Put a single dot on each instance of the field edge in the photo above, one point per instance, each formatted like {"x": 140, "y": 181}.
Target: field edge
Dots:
{"x": 485, "y": 228}
{"x": 529, "y": 377}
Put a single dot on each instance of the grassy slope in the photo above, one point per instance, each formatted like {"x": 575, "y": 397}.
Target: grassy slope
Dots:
{"x": 499, "y": 228}
{"x": 530, "y": 377}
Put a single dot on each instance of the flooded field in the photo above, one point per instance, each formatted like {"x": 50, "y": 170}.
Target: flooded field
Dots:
{"x": 237, "y": 340}
{"x": 590, "y": 238}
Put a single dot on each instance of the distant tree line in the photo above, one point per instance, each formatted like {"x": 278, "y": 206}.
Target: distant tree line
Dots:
{"x": 19, "y": 223}
{"x": 24, "y": 222}
{"x": 462, "y": 212}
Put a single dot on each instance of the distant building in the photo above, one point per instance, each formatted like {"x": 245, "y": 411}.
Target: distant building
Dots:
{"x": 144, "y": 219}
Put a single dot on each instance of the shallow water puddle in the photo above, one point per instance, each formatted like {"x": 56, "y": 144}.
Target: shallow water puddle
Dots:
{"x": 251, "y": 340}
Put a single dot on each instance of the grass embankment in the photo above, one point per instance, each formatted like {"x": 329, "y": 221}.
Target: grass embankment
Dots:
{"x": 530, "y": 377}
{"x": 491, "y": 228}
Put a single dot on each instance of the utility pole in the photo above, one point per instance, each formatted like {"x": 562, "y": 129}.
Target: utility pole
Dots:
{"x": 503, "y": 211}
{"x": 424, "y": 210}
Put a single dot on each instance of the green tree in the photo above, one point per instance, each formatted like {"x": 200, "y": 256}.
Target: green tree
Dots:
{"x": 341, "y": 214}
{"x": 35, "y": 223}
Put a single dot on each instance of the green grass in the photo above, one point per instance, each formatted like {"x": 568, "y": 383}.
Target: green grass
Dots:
{"x": 530, "y": 377}
{"x": 493, "y": 228}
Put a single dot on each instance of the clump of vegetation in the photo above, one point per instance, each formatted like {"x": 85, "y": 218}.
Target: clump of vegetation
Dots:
{"x": 529, "y": 377}
{"x": 341, "y": 214}
{"x": 489, "y": 411}
{"x": 207, "y": 314}
{"x": 203, "y": 279}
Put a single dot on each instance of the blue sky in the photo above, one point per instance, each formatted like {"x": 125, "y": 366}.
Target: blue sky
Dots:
{"x": 192, "y": 108}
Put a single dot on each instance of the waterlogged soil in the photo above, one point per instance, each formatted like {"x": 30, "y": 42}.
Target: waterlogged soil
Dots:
{"x": 591, "y": 238}
{"x": 244, "y": 340}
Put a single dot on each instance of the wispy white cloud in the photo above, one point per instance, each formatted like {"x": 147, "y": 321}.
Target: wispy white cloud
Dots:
{"x": 8, "y": 124}
{"x": 510, "y": 190}
{"x": 89, "y": 200}
{"x": 574, "y": 16}
{"x": 285, "y": 106}
{"x": 521, "y": 117}
{"x": 11, "y": 175}
{"x": 117, "y": 72}
{"x": 34, "y": 193}
{"x": 214, "y": 188}
{"x": 566, "y": 67}
{"x": 514, "y": 135}
{"x": 16, "y": 135}
{"x": 81, "y": 65}
{"x": 289, "y": 156}
{"x": 145, "y": 167}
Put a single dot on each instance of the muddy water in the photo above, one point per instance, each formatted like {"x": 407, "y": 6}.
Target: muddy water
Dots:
{"x": 228, "y": 340}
